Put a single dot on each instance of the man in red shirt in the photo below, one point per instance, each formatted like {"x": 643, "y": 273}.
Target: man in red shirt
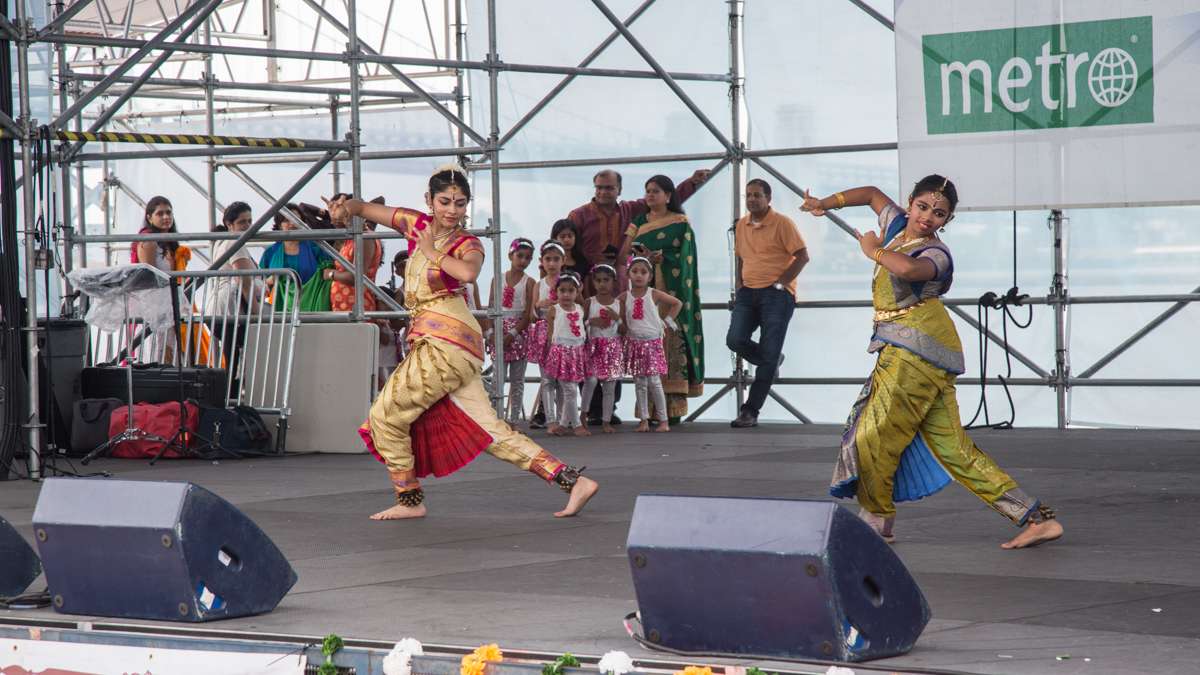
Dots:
{"x": 603, "y": 220}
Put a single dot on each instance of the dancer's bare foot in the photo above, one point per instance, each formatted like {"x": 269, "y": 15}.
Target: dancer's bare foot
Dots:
{"x": 1035, "y": 534}
{"x": 643, "y": 427}
{"x": 555, "y": 430}
{"x": 400, "y": 512}
{"x": 585, "y": 488}
{"x": 608, "y": 429}
{"x": 582, "y": 431}
{"x": 662, "y": 427}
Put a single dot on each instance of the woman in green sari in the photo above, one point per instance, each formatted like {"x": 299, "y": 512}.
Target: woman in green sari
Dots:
{"x": 664, "y": 236}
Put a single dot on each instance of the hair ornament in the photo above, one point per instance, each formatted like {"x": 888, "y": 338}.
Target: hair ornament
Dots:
{"x": 452, "y": 167}
{"x": 571, "y": 277}
{"x": 553, "y": 245}
{"x": 520, "y": 243}
{"x": 639, "y": 259}
{"x": 604, "y": 267}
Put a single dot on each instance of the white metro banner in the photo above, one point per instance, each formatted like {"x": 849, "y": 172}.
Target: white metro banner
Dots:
{"x": 1037, "y": 105}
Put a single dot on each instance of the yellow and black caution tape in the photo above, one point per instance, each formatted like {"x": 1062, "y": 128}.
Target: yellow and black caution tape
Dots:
{"x": 172, "y": 139}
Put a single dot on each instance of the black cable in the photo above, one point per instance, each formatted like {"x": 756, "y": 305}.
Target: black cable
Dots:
{"x": 1003, "y": 303}
{"x": 36, "y": 600}
{"x": 13, "y": 380}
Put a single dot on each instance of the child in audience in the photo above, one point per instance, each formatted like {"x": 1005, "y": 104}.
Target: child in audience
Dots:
{"x": 645, "y": 357}
{"x": 604, "y": 346}
{"x": 545, "y": 296}
{"x": 517, "y": 296}
{"x": 564, "y": 362}
{"x": 566, "y": 233}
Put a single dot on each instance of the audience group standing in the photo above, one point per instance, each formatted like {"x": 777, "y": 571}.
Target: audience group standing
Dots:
{"x": 615, "y": 293}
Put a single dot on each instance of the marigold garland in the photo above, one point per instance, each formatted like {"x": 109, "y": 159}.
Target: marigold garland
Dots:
{"x": 476, "y": 662}
{"x": 695, "y": 670}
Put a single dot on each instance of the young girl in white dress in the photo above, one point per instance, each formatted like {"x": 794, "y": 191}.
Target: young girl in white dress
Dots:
{"x": 564, "y": 363}
{"x": 605, "y": 349}
{"x": 642, "y": 309}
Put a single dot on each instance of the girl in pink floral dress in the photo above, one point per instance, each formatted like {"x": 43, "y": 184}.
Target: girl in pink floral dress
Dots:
{"x": 544, "y": 297}
{"x": 517, "y": 296}
{"x": 645, "y": 358}
{"x": 605, "y": 352}
{"x": 565, "y": 362}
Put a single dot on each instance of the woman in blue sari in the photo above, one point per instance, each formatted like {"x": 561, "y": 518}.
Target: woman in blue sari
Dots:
{"x": 302, "y": 256}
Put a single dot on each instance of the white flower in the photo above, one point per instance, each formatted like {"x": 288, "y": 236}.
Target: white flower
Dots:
{"x": 838, "y": 670}
{"x": 615, "y": 663}
{"x": 399, "y": 660}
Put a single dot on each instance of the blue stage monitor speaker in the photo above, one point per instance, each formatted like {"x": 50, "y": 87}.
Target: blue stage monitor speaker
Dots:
{"x": 154, "y": 550}
{"x": 769, "y": 577}
{"x": 19, "y": 565}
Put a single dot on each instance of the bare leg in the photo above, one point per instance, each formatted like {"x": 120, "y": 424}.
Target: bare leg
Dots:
{"x": 585, "y": 488}
{"x": 1043, "y": 528}
{"x": 399, "y": 512}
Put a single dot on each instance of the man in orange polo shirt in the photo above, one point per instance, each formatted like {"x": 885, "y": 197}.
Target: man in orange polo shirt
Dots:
{"x": 770, "y": 254}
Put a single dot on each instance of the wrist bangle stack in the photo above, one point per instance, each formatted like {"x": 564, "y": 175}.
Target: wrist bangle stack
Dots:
{"x": 841, "y": 199}
{"x": 437, "y": 262}
{"x": 878, "y": 254}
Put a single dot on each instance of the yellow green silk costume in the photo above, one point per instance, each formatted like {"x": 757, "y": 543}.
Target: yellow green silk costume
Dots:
{"x": 904, "y": 438}
{"x": 444, "y": 361}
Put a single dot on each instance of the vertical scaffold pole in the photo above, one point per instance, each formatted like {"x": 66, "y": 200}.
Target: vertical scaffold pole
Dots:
{"x": 493, "y": 60}
{"x": 1059, "y": 293}
{"x": 33, "y": 424}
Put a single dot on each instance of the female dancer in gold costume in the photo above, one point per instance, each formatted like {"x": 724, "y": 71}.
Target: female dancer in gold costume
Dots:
{"x": 433, "y": 415}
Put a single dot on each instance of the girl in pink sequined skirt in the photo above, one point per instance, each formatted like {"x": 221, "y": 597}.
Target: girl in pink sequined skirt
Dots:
{"x": 517, "y": 297}
{"x": 565, "y": 362}
{"x": 544, "y": 297}
{"x": 605, "y": 346}
{"x": 642, "y": 323}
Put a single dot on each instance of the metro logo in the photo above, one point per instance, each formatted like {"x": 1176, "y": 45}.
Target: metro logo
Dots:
{"x": 1080, "y": 74}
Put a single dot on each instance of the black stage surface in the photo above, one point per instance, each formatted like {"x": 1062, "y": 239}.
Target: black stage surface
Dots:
{"x": 1120, "y": 593}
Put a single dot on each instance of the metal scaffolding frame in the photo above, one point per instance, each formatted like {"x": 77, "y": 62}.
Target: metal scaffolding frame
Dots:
{"x": 199, "y": 33}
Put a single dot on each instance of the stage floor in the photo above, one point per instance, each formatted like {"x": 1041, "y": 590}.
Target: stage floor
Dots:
{"x": 1120, "y": 593}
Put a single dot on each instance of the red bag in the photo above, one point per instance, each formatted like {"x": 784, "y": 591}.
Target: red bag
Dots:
{"x": 159, "y": 419}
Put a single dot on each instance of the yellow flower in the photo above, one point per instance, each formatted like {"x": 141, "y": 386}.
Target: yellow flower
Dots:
{"x": 472, "y": 665}
{"x": 489, "y": 652}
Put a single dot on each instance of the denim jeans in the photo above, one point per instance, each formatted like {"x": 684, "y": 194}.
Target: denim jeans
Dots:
{"x": 770, "y": 310}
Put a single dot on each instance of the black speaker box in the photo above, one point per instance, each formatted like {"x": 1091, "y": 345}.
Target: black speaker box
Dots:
{"x": 154, "y": 550}
{"x": 770, "y": 577}
{"x": 19, "y": 565}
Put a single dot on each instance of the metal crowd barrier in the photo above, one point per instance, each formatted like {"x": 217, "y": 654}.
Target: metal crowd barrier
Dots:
{"x": 243, "y": 321}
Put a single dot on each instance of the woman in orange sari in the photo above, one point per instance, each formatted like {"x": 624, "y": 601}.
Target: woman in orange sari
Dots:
{"x": 434, "y": 416}
{"x": 341, "y": 292}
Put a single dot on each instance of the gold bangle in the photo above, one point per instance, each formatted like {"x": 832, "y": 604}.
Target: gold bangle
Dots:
{"x": 841, "y": 199}
{"x": 631, "y": 230}
{"x": 878, "y": 255}
{"x": 437, "y": 262}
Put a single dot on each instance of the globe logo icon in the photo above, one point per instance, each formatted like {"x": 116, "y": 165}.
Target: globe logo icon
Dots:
{"x": 1112, "y": 77}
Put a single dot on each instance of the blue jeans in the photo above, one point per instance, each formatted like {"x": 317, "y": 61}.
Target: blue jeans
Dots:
{"x": 770, "y": 310}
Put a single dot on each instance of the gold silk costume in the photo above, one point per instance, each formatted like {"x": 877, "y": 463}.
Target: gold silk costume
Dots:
{"x": 444, "y": 362}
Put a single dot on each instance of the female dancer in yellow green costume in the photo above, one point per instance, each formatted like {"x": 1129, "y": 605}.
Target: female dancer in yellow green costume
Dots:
{"x": 904, "y": 439}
